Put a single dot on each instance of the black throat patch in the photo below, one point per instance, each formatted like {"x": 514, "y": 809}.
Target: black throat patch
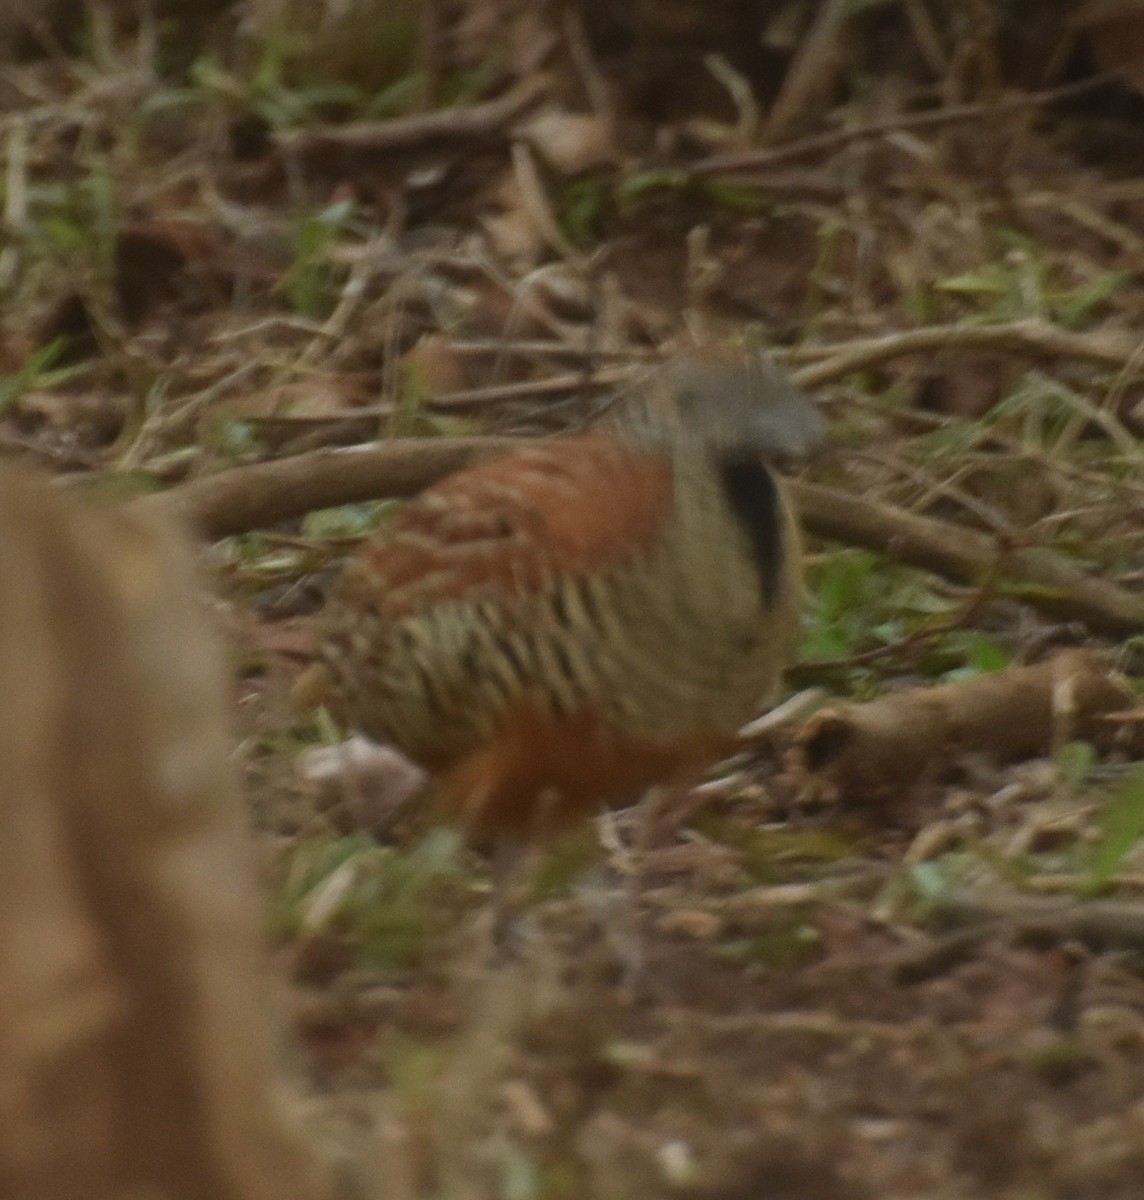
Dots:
{"x": 754, "y": 499}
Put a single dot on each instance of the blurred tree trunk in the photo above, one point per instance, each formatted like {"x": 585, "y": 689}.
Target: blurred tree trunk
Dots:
{"x": 136, "y": 1056}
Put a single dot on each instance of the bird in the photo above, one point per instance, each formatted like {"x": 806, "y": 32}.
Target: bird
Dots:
{"x": 553, "y": 631}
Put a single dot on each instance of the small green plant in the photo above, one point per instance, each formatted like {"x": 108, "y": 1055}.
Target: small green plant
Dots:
{"x": 74, "y": 227}
{"x": 309, "y": 281}
{"x": 1122, "y": 827}
{"x": 413, "y": 1069}
{"x": 562, "y": 865}
{"x": 580, "y": 211}
{"x": 843, "y": 588}
{"x": 964, "y": 653}
{"x": 1021, "y": 282}
{"x": 234, "y": 438}
{"x": 36, "y": 373}
{"x": 308, "y": 62}
{"x": 792, "y": 939}
{"x": 880, "y": 613}
{"x": 388, "y": 902}
{"x": 776, "y": 855}
{"x": 347, "y": 520}
{"x": 1074, "y": 762}
{"x": 634, "y": 190}
{"x": 734, "y": 197}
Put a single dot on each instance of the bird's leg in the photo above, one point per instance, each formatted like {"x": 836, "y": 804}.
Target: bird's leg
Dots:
{"x": 620, "y": 921}
{"x": 516, "y": 863}
{"x": 509, "y": 861}
{"x": 632, "y": 943}
{"x": 660, "y": 813}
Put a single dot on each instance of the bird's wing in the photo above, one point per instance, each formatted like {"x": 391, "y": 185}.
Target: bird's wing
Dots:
{"x": 568, "y": 507}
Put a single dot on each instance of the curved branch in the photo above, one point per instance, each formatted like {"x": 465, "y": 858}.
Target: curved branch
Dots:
{"x": 246, "y": 498}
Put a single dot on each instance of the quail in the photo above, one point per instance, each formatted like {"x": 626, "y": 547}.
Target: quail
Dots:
{"x": 553, "y": 631}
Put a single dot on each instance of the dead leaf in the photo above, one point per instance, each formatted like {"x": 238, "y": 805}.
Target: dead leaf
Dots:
{"x": 571, "y": 143}
{"x": 360, "y": 784}
{"x": 436, "y": 366}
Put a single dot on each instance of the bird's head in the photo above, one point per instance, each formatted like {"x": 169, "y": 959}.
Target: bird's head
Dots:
{"x": 736, "y": 405}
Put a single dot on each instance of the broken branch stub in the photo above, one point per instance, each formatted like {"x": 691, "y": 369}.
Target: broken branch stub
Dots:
{"x": 876, "y": 752}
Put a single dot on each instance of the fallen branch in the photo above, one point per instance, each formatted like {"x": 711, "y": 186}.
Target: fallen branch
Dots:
{"x": 253, "y": 497}
{"x": 811, "y": 366}
{"x": 821, "y": 143}
{"x": 263, "y": 494}
{"x": 403, "y": 134}
{"x": 867, "y": 753}
{"x": 1042, "y": 578}
{"x": 529, "y": 389}
{"x": 1101, "y": 925}
{"x": 1039, "y": 338}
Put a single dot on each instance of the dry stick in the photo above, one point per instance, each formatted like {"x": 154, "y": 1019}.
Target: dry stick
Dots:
{"x": 548, "y": 348}
{"x": 293, "y": 435}
{"x": 1056, "y": 585}
{"x": 554, "y": 385}
{"x": 832, "y": 362}
{"x": 1098, "y": 924}
{"x": 754, "y": 159}
{"x": 468, "y": 398}
{"x": 407, "y": 133}
{"x": 823, "y": 364}
{"x": 246, "y": 498}
{"x": 534, "y": 201}
{"x": 812, "y": 72}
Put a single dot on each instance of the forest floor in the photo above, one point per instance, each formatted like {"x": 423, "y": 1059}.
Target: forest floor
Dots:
{"x": 938, "y": 995}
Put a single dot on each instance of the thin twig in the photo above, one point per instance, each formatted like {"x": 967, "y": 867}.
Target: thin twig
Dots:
{"x": 722, "y": 164}
{"x": 409, "y": 133}
{"x": 546, "y": 348}
{"x": 813, "y": 70}
{"x": 1035, "y": 337}
{"x": 555, "y": 385}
